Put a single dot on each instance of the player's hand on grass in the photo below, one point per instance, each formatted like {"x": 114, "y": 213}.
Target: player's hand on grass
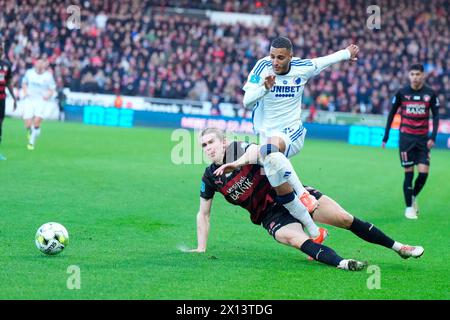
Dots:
{"x": 199, "y": 250}
{"x": 226, "y": 168}
{"x": 430, "y": 143}
{"x": 269, "y": 82}
{"x": 354, "y": 50}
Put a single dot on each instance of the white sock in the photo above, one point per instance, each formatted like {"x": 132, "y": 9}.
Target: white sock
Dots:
{"x": 299, "y": 211}
{"x": 343, "y": 264}
{"x": 34, "y": 134}
{"x": 397, "y": 246}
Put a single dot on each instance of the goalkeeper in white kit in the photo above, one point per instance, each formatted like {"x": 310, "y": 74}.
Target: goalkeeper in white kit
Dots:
{"x": 274, "y": 90}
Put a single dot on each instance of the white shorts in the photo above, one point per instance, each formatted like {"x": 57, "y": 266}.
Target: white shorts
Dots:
{"x": 293, "y": 138}
{"x": 35, "y": 107}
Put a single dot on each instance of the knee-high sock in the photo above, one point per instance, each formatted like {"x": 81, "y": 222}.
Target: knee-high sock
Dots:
{"x": 419, "y": 183}
{"x": 370, "y": 233}
{"x": 407, "y": 188}
{"x": 35, "y": 132}
{"x": 321, "y": 253}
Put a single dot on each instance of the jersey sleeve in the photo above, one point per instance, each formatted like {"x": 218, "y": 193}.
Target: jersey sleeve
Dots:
{"x": 256, "y": 77}
{"x": 319, "y": 64}
{"x": 207, "y": 190}
{"x": 254, "y": 87}
{"x": 396, "y": 100}
{"x": 434, "y": 105}
{"x": 308, "y": 68}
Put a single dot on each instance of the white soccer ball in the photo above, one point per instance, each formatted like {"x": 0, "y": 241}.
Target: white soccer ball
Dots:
{"x": 52, "y": 238}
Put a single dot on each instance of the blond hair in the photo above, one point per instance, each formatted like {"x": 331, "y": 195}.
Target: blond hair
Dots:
{"x": 219, "y": 133}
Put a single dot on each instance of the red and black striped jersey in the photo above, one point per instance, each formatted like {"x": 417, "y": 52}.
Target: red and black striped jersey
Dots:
{"x": 246, "y": 187}
{"x": 414, "y": 107}
{"x": 5, "y": 76}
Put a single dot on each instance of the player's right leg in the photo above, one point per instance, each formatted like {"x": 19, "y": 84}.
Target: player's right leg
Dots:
{"x": 408, "y": 190}
{"x": 293, "y": 235}
{"x": 279, "y": 171}
{"x": 407, "y": 160}
{"x": 287, "y": 197}
{"x": 28, "y": 115}
{"x": 35, "y": 130}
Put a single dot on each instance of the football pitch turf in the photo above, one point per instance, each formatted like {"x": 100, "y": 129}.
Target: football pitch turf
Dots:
{"x": 129, "y": 209}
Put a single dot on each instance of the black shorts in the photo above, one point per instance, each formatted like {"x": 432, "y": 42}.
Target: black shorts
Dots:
{"x": 278, "y": 216}
{"x": 413, "y": 150}
{"x": 2, "y": 108}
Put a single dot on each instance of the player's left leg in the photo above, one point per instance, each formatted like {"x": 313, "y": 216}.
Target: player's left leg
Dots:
{"x": 35, "y": 130}
{"x": 293, "y": 235}
{"x": 423, "y": 168}
{"x": 330, "y": 212}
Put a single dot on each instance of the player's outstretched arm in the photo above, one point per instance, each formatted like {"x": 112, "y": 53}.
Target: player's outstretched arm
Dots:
{"x": 249, "y": 157}
{"x": 349, "y": 53}
{"x": 203, "y": 216}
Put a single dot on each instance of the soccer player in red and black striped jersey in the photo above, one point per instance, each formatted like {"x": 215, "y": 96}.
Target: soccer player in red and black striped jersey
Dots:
{"x": 246, "y": 185}
{"x": 5, "y": 82}
{"x": 415, "y": 102}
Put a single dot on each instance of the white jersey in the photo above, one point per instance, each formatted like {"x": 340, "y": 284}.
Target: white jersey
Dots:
{"x": 38, "y": 85}
{"x": 280, "y": 108}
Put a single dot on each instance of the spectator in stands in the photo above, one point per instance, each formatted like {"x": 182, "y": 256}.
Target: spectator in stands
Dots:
{"x": 194, "y": 58}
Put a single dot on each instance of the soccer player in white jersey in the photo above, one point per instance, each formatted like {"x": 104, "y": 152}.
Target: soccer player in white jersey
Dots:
{"x": 38, "y": 87}
{"x": 274, "y": 90}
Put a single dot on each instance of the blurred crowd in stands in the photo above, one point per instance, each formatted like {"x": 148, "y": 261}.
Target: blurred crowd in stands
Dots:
{"x": 143, "y": 48}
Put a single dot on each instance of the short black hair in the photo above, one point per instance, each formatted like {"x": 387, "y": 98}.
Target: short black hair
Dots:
{"x": 282, "y": 42}
{"x": 417, "y": 67}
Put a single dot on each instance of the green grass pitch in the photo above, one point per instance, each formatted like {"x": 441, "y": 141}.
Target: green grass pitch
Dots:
{"x": 127, "y": 208}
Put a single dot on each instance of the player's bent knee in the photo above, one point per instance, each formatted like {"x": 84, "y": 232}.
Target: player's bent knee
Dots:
{"x": 345, "y": 220}
{"x": 290, "y": 237}
{"x": 267, "y": 149}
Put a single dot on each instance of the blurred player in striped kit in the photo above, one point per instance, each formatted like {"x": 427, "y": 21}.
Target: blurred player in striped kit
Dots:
{"x": 416, "y": 101}
{"x": 38, "y": 87}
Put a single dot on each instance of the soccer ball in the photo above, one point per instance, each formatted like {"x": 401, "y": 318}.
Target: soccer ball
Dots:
{"x": 52, "y": 238}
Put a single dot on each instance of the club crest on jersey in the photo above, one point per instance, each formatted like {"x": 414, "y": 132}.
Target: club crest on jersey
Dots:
{"x": 297, "y": 80}
{"x": 255, "y": 78}
{"x": 426, "y": 98}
